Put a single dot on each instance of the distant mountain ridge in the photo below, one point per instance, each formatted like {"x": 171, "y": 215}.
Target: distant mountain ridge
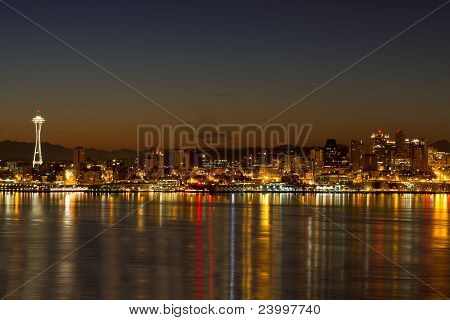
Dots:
{"x": 14, "y": 150}
{"x": 441, "y": 145}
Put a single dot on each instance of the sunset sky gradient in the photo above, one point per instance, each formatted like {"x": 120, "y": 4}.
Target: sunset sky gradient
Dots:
{"x": 222, "y": 62}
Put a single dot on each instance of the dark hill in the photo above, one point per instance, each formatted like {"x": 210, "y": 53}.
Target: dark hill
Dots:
{"x": 13, "y": 150}
{"x": 441, "y": 145}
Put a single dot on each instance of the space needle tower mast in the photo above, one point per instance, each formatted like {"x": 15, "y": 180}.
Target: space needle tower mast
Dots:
{"x": 38, "y": 120}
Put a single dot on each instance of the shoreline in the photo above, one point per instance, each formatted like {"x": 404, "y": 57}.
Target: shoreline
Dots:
{"x": 225, "y": 192}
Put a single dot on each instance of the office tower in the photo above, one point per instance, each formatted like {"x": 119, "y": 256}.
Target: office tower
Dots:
{"x": 159, "y": 161}
{"x": 401, "y": 159}
{"x": 419, "y": 155}
{"x": 390, "y": 155}
{"x": 315, "y": 162}
{"x": 79, "y": 160}
{"x": 369, "y": 162}
{"x": 316, "y": 155}
{"x": 356, "y": 152}
{"x": 331, "y": 156}
{"x": 38, "y": 120}
{"x": 400, "y": 144}
{"x": 379, "y": 143}
{"x": 182, "y": 159}
{"x": 153, "y": 162}
{"x": 79, "y": 156}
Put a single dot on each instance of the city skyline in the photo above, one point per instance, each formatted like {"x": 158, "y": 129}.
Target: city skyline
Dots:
{"x": 180, "y": 56}
{"x": 241, "y": 151}
{"x": 378, "y": 162}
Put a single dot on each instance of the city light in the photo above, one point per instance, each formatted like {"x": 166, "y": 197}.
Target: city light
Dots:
{"x": 378, "y": 164}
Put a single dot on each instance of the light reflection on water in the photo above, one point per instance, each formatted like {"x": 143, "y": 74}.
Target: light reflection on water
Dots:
{"x": 224, "y": 246}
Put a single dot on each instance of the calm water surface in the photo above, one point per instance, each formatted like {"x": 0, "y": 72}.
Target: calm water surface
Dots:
{"x": 225, "y": 246}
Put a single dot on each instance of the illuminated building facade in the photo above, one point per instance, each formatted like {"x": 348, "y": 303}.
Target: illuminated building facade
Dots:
{"x": 380, "y": 148}
{"x": 331, "y": 158}
{"x": 369, "y": 162}
{"x": 355, "y": 154}
{"x": 152, "y": 162}
{"x": 181, "y": 159}
{"x": 419, "y": 155}
{"x": 79, "y": 160}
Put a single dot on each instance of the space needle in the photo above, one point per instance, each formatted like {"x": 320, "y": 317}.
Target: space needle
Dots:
{"x": 38, "y": 120}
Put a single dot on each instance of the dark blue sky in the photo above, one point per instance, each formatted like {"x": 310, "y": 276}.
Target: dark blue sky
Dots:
{"x": 223, "y": 62}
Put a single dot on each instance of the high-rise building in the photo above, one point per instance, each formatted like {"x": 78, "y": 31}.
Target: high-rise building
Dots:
{"x": 316, "y": 155}
{"x": 79, "y": 156}
{"x": 410, "y": 154}
{"x": 152, "y": 161}
{"x": 419, "y": 155}
{"x": 356, "y": 152}
{"x": 379, "y": 147}
{"x": 400, "y": 144}
{"x": 401, "y": 158}
{"x": 369, "y": 162}
{"x": 79, "y": 160}
{"x": 331, "y": 158}
{"x": 315, "y": 160}
{"x": 182, "y": 159}
{"x": 38, "y": 120}
{"x": 390, "y": 155}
